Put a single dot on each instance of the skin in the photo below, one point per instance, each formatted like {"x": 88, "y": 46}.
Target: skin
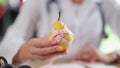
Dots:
{"x": 40, "y": 49}
{"x": 77, "y": 1}
{"x": 90, "y": 54}
{"x": 87, "y": 54}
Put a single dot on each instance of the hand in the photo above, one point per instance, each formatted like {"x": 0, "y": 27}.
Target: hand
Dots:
{"x": 109, "y": 58}
{"x": 41, "y": 49}
{"x": 87, "y": 54}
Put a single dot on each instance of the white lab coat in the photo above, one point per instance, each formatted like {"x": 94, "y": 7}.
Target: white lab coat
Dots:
{"x": 86, "y": 24}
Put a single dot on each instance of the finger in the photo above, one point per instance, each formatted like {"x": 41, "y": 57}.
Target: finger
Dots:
{"x": 94, "y": 60}
{"x": 46, "y": 41}
{"x": 84, "y": 58}
{"x": 47, "y": 50}
{"x": 41, "y": 42}
{"x": 55, "y": 54}
{"x": 45, "y": 57}
{"x": 39, "y": 57}
{"x": 36, "y": 43}
{"x": 78, "y": 56}
{"x": 52, "y": 42}
{"x": 81, "y": 55}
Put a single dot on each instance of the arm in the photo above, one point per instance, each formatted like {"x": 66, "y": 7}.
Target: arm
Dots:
{"x": 15, "y": 46}
{"x": 19, "y": 32}
{"x": 112, "y": 14}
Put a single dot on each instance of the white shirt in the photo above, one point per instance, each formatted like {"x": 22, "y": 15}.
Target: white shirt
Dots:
{"x": 86, "y": 24}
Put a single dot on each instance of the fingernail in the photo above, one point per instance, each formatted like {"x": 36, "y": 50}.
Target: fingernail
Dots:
{"x": 59, "y": 48}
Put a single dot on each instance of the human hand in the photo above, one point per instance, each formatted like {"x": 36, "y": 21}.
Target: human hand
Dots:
{"x": 40, "y": 49}
{"x": 87, "y": 54}
{"x": 108, "y": 58}
{"x": 43, "y": 49}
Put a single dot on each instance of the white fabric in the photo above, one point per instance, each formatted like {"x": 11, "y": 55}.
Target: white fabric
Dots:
{"x": 84, "y": 21}
{"x": 74, "y": 65}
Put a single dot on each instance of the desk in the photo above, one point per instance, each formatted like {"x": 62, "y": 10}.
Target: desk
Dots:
{"x": 37, "y": 64}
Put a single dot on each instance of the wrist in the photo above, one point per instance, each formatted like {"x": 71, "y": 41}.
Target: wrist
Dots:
{"x": 22, "y": 55}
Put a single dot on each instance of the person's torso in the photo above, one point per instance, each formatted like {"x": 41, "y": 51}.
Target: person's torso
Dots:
{"x": 83, "y": 20}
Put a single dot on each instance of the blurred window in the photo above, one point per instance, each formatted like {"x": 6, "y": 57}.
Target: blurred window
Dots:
{"x": 118, "y": 2}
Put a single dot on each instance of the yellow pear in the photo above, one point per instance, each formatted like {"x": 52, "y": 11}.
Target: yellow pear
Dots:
{"x": 58, "y": 25}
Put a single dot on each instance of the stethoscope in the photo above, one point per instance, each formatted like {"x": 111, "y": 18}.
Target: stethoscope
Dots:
{"x": 56, "y": 2}
{"x": 5, "y": 64}
{"x": 104, "y": 34}
{"x": 99, "y": 6}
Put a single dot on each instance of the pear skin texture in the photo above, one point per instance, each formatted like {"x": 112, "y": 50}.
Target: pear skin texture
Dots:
{"x": 58, "y": 25}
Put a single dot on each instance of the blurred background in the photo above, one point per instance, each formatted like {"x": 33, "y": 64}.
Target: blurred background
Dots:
{"x": 9, "y": 9}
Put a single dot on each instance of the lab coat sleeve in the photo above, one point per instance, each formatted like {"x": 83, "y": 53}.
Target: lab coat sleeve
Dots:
{"x": 112, "y": 15}
{"x": 20, "y": 31}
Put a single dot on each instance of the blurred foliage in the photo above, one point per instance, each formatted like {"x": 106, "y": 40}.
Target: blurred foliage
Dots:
{"x": 3, "y": 2}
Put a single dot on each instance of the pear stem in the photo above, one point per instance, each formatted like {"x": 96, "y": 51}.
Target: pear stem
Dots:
{"x": 59, "y": 16}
